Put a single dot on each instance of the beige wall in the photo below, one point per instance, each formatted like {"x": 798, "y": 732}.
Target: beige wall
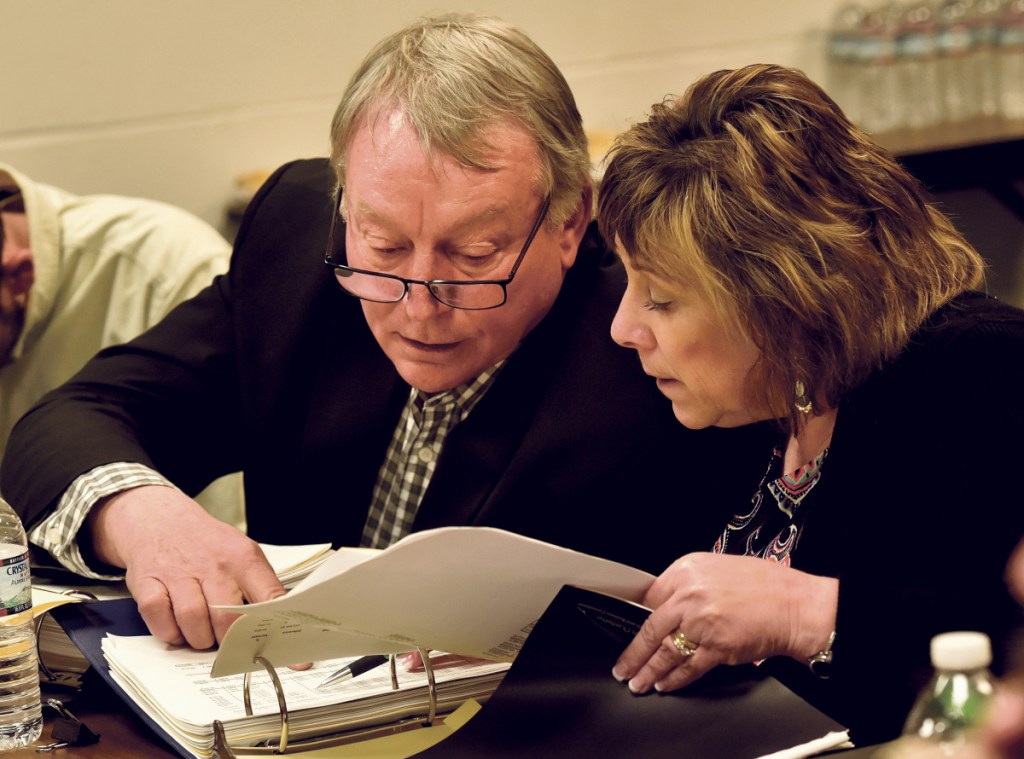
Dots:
{"x": 173, "y": 100}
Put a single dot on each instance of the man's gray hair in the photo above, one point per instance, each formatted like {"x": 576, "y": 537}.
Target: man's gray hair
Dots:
{"x": 455, "y": 76}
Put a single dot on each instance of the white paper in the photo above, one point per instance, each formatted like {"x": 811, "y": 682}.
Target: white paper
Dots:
{"x": 812, "y": 748}
{"x": 475, "y": 591}
{"x": 293, "y": 563}
{"x": 173, "y": 685}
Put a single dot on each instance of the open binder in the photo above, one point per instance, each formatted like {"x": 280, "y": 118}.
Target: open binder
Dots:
{"x": 557, "y": 699}
{"x": 480, "y": 601}
{"x": 420, "y": 701}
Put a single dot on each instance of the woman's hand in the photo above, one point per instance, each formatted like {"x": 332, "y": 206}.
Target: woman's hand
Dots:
{"x": 731, "y": 610}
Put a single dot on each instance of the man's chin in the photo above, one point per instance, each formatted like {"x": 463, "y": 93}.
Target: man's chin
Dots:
{"x": 433, "y": 377}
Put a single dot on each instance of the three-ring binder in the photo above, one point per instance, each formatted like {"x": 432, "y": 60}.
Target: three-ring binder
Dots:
{"x": 223, "y": 750}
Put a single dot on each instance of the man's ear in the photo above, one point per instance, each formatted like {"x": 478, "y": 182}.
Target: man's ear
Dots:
{"x": 20, "y": 275}
{"x": 19, "y": 271}
{"x": 574, "y": 227}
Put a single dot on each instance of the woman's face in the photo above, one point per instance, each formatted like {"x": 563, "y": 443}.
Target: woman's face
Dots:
{"x": 698, "y": 363}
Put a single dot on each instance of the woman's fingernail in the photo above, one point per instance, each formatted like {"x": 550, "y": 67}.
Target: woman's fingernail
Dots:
{"x": 636, "y": 687}
{"x": 617, "y": 675}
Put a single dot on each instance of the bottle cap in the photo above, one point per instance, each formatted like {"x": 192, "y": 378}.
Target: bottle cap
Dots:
{"x": 961, "y": 650}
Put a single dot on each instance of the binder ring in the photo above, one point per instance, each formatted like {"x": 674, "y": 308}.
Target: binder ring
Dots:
{"x": 431, "y": 687}
{"x": 226, "y": 751}
{"x": 282, "y": 744}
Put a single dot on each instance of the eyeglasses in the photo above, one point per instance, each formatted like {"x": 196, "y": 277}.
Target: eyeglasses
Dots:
{"x": 468, "y": 294}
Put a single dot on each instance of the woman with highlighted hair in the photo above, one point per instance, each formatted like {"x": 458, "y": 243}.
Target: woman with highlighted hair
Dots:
{"x": 782, "y": 268}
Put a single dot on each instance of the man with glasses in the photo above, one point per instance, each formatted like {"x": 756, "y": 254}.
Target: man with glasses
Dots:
{"x": 462, "y": 374}
{"x": 80, "y": 273}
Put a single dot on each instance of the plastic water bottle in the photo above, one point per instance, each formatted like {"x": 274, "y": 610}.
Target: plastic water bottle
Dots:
{"x": 844, "y": 62}
{"x": 958, "y": 63}
{"x": 987, "y": 20}
{"x": 918, "y": 66}
{"x": 954, "y": 701}
{"x": 880, "y": 109}
{"x": 21, "y": 719}
{"x": 1011, "y": 60}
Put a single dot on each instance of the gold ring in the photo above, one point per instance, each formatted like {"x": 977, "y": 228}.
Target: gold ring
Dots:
{"x": 684, "y": 645}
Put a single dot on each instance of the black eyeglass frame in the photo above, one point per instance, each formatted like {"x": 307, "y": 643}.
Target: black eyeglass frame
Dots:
{"x": 433, "y": 284}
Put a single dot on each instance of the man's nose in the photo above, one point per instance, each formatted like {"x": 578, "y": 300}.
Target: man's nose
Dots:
{"x": 420, "y": 303}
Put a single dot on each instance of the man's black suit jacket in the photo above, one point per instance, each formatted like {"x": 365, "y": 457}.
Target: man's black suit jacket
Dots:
{"x": 274, "y": 371}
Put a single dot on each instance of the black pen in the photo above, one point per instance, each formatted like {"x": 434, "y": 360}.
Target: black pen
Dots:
{"x": 355, "y": 668}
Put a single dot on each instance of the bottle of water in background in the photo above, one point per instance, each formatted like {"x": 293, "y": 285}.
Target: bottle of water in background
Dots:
{"x": 958, "y": 72}
{"x": 1011, "y": 60}
{"x": 917, "y": 53}
{"x": 987, "y": 19}
{"x": 20, "y": 706}
{"x": 954, "y": 701}
{"x": 881, "y": 105}
{"x": 844, "y": 62}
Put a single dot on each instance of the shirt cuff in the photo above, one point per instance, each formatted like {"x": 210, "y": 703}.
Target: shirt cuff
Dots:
{"x": 58, "y": 533}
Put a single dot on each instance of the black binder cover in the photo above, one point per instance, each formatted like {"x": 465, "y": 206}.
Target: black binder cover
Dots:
{"x": 559, "y": 699}
{"x": 86, "y": 623}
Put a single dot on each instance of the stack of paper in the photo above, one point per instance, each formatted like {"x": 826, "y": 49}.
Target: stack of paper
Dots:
{"x": 173, "y": 686}
{"x": 295, "y": 563}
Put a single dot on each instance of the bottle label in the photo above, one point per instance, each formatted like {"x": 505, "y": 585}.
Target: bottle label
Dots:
{"x": 15, "y": 585}
{"x": 916, "y": 46}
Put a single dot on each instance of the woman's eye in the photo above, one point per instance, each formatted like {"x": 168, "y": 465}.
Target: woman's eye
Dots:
{"x": 656, "y": 301}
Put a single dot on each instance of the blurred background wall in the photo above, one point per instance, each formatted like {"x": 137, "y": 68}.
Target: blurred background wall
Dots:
{"x": 177, "y": 100}
{"x": 174, "y": 100}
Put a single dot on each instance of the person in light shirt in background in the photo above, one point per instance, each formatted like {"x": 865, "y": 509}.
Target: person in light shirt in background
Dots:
{"x": 80, "y": 273}
{"x": 781, "y": 266}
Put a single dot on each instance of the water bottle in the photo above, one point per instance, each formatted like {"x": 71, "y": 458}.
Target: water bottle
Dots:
{"x": 880, "y": 109}
{"x": 1011, "y": 60}
{"x": 958, "y": 63}
{"x": 844, "y": 39}
{"x": 987, "y": 20}
{"x": 21, "y": 719}
{"x": 918, "y": 66}
{"x": 954, "y": 701}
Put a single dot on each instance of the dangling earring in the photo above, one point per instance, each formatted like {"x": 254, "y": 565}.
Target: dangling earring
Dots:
{"x": 803, "y": 403}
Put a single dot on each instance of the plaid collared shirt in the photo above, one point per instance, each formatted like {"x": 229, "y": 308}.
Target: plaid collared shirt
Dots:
{"x": 401, "y": 482}
{"x": 411, "y": 458}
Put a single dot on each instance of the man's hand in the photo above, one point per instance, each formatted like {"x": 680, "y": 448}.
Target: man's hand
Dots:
{"x": 179, "y": 561}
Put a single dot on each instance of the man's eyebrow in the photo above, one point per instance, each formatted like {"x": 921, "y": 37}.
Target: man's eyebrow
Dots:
{"x": 484, "y": 214}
